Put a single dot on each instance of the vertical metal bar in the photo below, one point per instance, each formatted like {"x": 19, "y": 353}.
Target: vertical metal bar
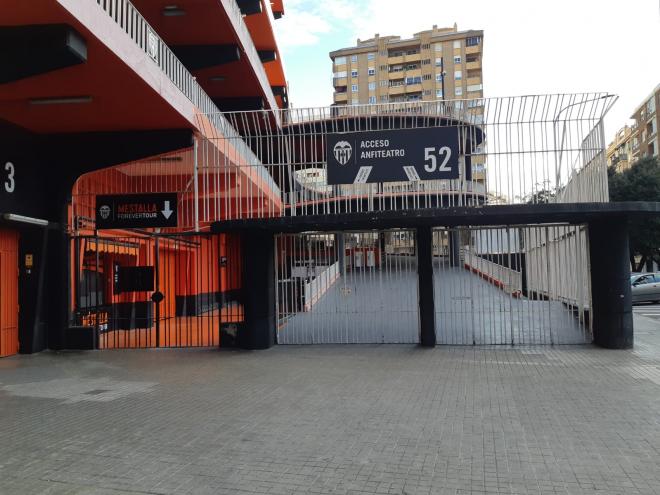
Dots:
{"x": 157, "y": 269}
{"x": 196, "y": 183}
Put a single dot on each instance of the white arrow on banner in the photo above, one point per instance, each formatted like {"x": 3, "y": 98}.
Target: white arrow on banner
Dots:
{"x": 362, "y": 175}
{"x": 167, "y": 212}
{"x": 411, "y": 172}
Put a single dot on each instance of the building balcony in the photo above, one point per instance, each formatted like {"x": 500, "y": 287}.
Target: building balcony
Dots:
{"x": 415, "y": 57}
{"x": 473, "y": 81}
{"x": 341, "y": 97}
{"x": 473, "y": 65}
{"x": 339, "y": 81}
{"x": 473, "y": 49}
{"x": 413, "y": 88}
{"x": 395, "y": 60}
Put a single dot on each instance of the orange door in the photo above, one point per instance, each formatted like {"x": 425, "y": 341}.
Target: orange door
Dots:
{"x": 8, "y": 293}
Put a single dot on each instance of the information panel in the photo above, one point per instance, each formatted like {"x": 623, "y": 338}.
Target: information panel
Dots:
{"x": 393, "y": 155}
{"x": 133, "y": 211}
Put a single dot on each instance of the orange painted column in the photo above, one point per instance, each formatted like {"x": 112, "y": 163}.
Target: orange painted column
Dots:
{"x": 8, "y": 292}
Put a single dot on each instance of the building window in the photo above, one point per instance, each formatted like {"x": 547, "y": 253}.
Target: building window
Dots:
{"x": 426, "y": 46}
{"x": 355, "y": 101}
{"x": 340, "y": 74}
{"x": 457, "y": 44}
{"x": 473, "y": 41}
{"x": 353, "y": 58}
{"x": 427, "y": 92}
{"x": 458, "y": 91}
{"x": 383, "y": 83}
{"x": 438, "y": 93}
{"x": 371, "y": 71}
{"x": 340, "y": 60}
{"x": 426, "y": 61}
{"x": 438, "y": 62}
{"x": 427, "y": 77}
{"x": 458, "y": 75}
{"x": 438, "y": 47}
{"x": 383, "y": 53}
{"x": 438, "y": 77}
{"x": 475, "y": 87}
{"x": 383, "y": 98}
{"x": 383, "y": 68}
{"x": 457, "y": 59}
{"x": 354, "y": 88}
{"x": 414, "y": 80}
{"x": 372, "y": 99}
{"x": 650, "y": 105}
{"x": 372, "y": 86}
{"x": 371, "y": 56}
{"x": 354, "y": 73}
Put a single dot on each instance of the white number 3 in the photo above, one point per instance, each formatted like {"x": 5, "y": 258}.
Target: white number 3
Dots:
{"x": 10, "y": 183}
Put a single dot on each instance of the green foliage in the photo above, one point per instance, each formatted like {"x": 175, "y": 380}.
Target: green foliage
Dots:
{"x": 640, "y": 183}
{"x": 543, "y": 196}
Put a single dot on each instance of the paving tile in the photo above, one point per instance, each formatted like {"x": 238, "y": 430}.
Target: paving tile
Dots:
{"x": 372, "y": 419}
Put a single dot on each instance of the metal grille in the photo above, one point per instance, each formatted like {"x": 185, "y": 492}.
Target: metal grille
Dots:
{"x": 199, "y": 278}
{"x": 355, "y": 287}
{"x": 533, "y": 149}
{"x": 512, "y": 285}
{"x": 529, "y": 149}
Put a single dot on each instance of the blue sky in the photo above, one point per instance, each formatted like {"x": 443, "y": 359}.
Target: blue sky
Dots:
{"x": 530, "y": 47}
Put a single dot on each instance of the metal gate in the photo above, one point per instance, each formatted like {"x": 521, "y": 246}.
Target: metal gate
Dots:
{"x": 156, "y": 290}
{"x": 512, "y": 285}
{"x": 353, "y": 287}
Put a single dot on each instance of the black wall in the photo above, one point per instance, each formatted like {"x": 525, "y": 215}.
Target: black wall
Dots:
{"x": 45, "y": 169}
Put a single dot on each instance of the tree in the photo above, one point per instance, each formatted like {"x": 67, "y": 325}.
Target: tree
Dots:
{"x": 542, "y": 196}
{"x": 641, "y": 182}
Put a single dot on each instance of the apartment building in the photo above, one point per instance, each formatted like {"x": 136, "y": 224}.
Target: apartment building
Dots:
{"x": 440, "y": 63}
{"x": 645, "y": 140}
{"x": 619, "y": 151}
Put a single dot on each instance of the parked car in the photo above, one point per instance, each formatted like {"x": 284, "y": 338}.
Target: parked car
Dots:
{"x": 645, "y": 287}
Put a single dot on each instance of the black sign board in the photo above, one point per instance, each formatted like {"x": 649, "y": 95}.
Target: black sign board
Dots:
{"x": 134, "y": 278}
{"x": 132, "y": 211}
{"x": 394, "y": 155}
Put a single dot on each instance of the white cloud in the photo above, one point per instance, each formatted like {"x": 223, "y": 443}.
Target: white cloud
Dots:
{"x": 299, "y": 28}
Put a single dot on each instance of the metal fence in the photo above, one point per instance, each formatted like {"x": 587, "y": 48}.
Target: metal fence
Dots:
{"x": 504, "y": 285}
{"x": 527, "y": 149}
{"x": 347, "y": 288}
{"x": 530, "y": 149}
{"x": 523, "y": 285}
{"x": 138, "y": 291}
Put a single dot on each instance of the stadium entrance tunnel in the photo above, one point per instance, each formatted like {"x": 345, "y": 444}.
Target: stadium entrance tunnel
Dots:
{"x": 524, "y": 285}
{"x": 498, "y": 283}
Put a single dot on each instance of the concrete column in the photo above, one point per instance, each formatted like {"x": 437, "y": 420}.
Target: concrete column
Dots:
{"x": 454, "y": 248}
{"x": 341, "y": 252}
{"x": 425, "y": 286}
{"x": 258, "y": 331}
{"x": 611, "y": 299}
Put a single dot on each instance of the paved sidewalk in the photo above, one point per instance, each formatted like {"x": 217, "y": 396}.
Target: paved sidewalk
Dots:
{"x": 364, "y": 419}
